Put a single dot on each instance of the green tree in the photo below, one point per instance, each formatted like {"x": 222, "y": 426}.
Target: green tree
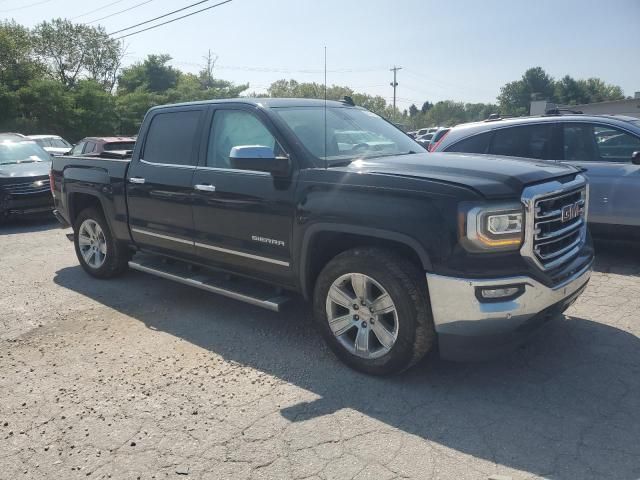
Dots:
{"x": 18, "y": 64}
{"x": 515, "y": 97}
{"x": 45, "y": 106}
{"x": 75, "y": 51}
{"x": 152, "y": 75}
{"x": 94, "y": 111}
{"x": 413, "y": 110}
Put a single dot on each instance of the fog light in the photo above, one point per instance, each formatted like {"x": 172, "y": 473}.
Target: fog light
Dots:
{"x": 493, "y": 293}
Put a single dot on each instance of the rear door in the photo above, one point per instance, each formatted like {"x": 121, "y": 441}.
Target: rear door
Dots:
{"x": 605, "y": 154}
{"x": 243, "y": 219}
{"x": 159, "y": 181}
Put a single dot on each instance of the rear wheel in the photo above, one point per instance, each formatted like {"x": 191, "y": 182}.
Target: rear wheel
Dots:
{"x": 98, "y": 252}
{"x": 372, "y": 308}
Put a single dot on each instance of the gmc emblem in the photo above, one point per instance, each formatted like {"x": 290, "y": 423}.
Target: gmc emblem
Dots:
{"x": 571, "y": 211}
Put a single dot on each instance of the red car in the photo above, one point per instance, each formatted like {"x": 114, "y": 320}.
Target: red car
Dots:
{"x": 94, "y": 146}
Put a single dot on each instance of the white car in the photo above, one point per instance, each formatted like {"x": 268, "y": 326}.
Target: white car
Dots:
{"x": 52, "y": 144}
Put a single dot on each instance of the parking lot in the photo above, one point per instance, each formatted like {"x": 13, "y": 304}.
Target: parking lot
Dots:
{"x": 142, "y": 378}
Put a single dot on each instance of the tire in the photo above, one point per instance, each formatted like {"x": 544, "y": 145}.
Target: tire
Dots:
{"x": 407, "y": 332}
{"x": 111, "y": 257}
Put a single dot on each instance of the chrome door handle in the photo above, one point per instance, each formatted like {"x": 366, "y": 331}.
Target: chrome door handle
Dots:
{"x": 205, "y": 188}
{"x": 136, "y": 180}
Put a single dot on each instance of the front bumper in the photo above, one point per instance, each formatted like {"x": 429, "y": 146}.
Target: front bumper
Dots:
{"x": 25, "y": 204}
{"x": 469, "y": 328}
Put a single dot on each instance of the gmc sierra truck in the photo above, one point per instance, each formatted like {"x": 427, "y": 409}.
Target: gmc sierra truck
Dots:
{"x": 400, "y": 251}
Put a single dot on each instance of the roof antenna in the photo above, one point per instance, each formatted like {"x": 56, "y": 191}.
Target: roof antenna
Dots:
{"x": 325, "y": 108}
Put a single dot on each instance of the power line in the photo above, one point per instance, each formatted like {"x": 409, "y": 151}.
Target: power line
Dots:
{"x": 173, "y": 20}
{"x": 119, "y": 12}
{"x": 161, "y": 16}
{"x": 25, "y": 6}
{"x": 96, "y": 9}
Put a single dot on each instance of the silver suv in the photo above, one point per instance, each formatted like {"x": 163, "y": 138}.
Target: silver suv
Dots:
{"x": 606, "y": 147}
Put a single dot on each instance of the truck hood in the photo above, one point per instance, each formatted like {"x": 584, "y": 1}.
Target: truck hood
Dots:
{"x": 21, "y": 170}
{"x": 493, "y": 176}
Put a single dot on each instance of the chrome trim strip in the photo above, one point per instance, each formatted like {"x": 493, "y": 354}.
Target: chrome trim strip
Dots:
{"x": 558, "y": 235}
{"x": 212, "y": 247}
{"x": 235, "y": 170}
{"x": 204, "y": 286}
{"x": 164, "y": 237}
{"x": 242, "y": 254}
{"x": 174, "y": 165}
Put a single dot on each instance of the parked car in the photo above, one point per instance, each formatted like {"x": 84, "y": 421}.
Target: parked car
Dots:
{"x": 396, "y": 250}
{"x": 11, "y": 136}
{"x": 425, "y": 139}
{"x": 437, "y": 136}
{"x": 24, "y": 179}
{"x": 603, "y": 146}
{"x": 53, "y": 144}
{"x": 95, "y": 146}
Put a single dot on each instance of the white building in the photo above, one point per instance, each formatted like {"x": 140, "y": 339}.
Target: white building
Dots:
{"x": 629, "y": 107}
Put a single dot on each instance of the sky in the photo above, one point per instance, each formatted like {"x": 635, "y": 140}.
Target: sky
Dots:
{"x": 462, "y": 50}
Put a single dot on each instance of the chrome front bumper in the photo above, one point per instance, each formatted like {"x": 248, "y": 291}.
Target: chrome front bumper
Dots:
{"x": 458, "y": 311}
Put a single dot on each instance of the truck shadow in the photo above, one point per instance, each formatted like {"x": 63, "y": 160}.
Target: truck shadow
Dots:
{"x": 36, "y": 223}
{"x": 615, "y": 256}
{"x": 565, "y": 406}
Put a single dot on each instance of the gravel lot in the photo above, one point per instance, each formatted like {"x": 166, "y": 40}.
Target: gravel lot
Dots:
{"x": 143, "y": 378}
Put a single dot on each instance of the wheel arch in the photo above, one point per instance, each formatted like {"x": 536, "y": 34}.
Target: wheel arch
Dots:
{"x": 322, "y": 242}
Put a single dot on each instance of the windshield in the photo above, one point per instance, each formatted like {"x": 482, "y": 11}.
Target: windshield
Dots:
{"x": 351, "y": 133}
{"x": 110, "y": 147}
{"x": 21, "y": 152}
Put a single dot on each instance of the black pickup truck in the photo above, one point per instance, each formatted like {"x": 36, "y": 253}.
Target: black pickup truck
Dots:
{"x": 399, "y": 250}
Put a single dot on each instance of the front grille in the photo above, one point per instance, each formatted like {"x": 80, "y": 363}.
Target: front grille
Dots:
{"x": 34, "y": 187}
{"x": 559, "y": 226}
{"x": 555, "y": 222}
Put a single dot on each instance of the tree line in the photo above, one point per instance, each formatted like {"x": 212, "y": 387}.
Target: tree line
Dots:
{"x": 66, "y": 78}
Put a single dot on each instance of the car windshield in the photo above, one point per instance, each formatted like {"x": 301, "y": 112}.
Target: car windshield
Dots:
{"x": 21, "y": 152}
{"x": 351, "y": 133}
{"x": 110, "y": 147}
{"x": 59, "y": 143}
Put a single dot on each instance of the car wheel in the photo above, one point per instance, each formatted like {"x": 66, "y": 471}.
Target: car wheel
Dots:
{"x": 99, "y": 253}
{"x": 372, "y": 307}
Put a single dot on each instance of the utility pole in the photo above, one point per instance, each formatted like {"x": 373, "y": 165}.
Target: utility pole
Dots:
{"x": 211, "y": 61}
{"x": 394, "y": 85}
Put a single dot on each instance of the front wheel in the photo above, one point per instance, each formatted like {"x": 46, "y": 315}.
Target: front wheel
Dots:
{"x": 99, "y": 253}
{"x": 372, "y": 308}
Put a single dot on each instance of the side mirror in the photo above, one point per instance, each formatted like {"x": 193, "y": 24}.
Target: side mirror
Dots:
{"x": 635, "y": 158}
{"x": 260, "y": 159}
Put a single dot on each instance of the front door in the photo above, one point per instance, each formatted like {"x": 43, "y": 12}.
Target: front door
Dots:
{"x": 243, "y": 219}
{"x": 159, "y": 182}
{"x": 614, "y": 182}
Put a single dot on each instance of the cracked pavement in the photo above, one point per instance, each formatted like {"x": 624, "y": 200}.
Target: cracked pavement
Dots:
{"x": 140, "y": 377}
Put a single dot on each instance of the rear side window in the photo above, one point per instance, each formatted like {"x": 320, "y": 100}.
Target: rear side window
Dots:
{"x": 171, "y": 138}
{"x": 475, "y": 144}
{"x": 110, "y": 147}
{"x": 531, "y": 141}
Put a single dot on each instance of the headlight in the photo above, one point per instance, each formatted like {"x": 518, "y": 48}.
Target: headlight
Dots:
{"x": 491, "y": 227}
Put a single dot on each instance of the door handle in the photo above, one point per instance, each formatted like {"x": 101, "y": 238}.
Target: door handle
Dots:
{"x": 136, "y": 180}
{"x": 205, "y": 188}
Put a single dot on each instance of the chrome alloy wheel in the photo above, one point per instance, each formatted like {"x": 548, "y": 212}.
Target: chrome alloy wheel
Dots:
{"x": 362, "y": 315}
{"x": 92, "y": 243}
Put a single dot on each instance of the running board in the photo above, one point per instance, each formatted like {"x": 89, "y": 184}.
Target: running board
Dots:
{"x": 244, "y": 290}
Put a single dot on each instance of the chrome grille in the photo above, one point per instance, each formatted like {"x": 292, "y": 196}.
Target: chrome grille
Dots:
{"x": 28, "y": 188}
{"x": 556, "y": 222}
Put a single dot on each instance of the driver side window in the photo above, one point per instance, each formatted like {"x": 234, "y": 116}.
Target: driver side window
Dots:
{"x": 77, "y": 150}
{"x": 233, "y": 128}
